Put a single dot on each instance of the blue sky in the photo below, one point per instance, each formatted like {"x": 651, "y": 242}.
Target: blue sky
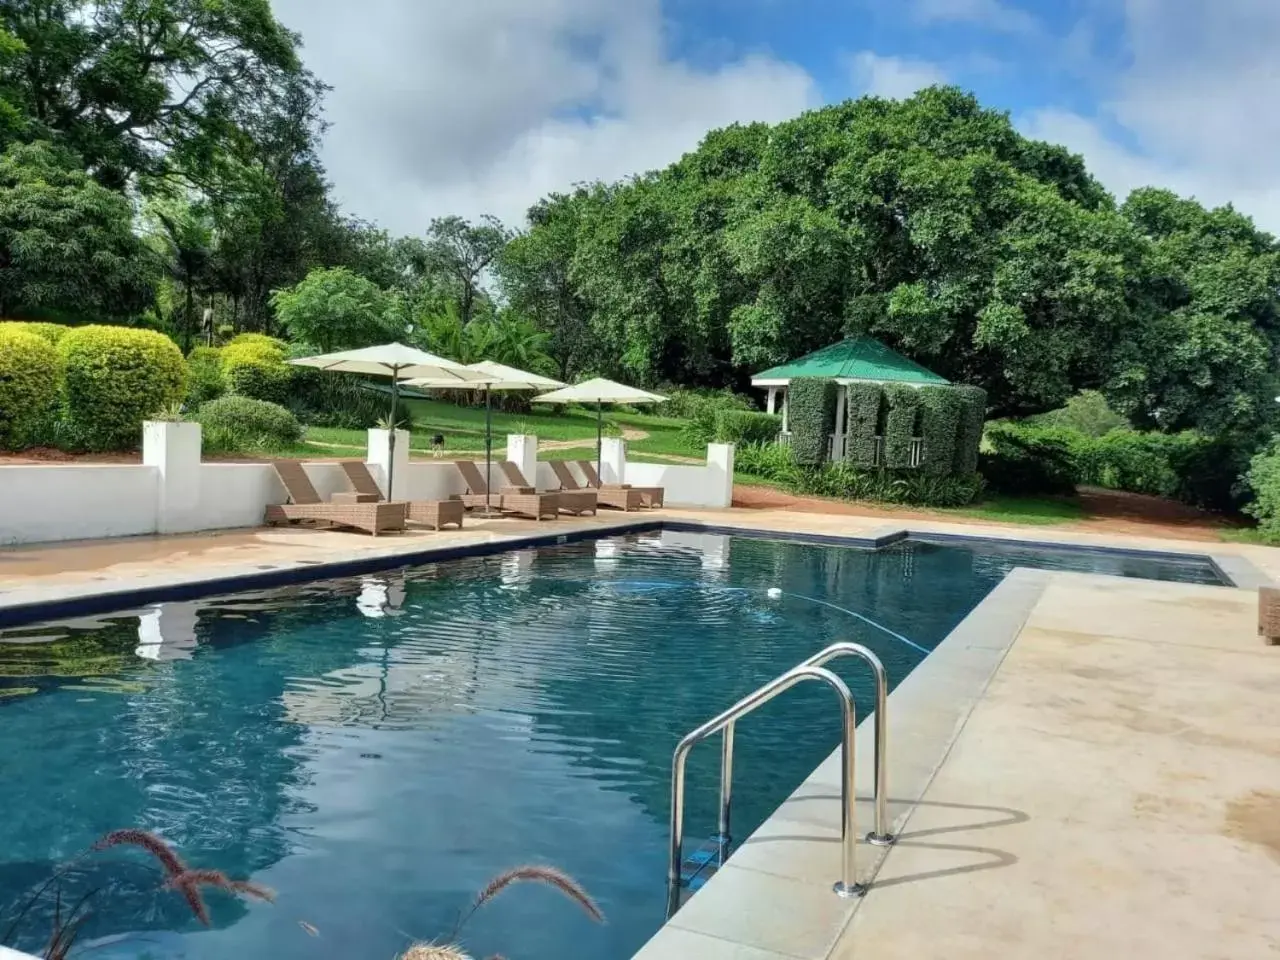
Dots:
{"x": 483, "y": 106}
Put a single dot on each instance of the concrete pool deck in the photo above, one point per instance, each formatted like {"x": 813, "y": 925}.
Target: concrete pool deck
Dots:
{"x": 1086, "y": 767}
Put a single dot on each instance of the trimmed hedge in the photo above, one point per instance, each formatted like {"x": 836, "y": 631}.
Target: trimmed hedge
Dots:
{"x": 254, "y": 366}
{"x": 747, "y": 426}
{"x": 117, "y": 377}
{"x": 30, "y": 378}
{"x": 1264, "y": 479}
{"x": 940, "y": 412}
{"x": 234, "y": 423}
{"x": 49, "y": 332}
{"x": 1029, "y": 460}
{"x": 811, "y": 414}
{"x": 865, "y": 403}
{"x": 903, "y": 405}
{"x": 973, "y": 416}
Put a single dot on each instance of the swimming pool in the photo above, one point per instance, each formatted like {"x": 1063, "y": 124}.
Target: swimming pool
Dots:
{"x": 376, "y": 748}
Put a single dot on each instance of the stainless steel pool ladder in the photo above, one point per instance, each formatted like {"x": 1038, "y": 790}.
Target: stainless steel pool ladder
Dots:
{"x": 811, "y": 669}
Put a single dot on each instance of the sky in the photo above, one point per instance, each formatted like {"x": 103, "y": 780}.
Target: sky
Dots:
{"x": 483, "y": 106}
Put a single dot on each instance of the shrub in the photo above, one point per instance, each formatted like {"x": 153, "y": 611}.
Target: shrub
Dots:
{"x": 205, "y": 379}
{"x": 865, "y": 403}
{"x": 116, "y": 377}
{"x": 1027, "y": 460}
{"x": 1263, "y": 479}
{"x": 973, "y": 415}
{"x": 30, "y": 377}
{"x": 235, "y": 423}
{"x": 940, "y": 411}
{"x": 1087, "y": 412}
{"x": 747, "y": 426}
{"x": 254, "y": 366}
{"x": 50, "y": 332}
{"x": 811, "y": 411}
{"x": 338, "y": 400}
{"x": 912, "y": 487}
{"x": 903, "y": 405}
{"x": 768, "y": 461}
{"x": 699, "y": 409}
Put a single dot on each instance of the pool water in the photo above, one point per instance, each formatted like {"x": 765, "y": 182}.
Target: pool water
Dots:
{"x": 376, "y": 748}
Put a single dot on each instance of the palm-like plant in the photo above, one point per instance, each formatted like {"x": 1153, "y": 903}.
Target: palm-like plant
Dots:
{"x": 183, "y": 235}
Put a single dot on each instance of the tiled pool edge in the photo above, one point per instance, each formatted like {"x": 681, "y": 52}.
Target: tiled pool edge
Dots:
{"x": 773, "y": 899}
{"x": 29, "y": 605}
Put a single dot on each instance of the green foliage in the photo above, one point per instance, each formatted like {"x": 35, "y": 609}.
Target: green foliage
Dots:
{"x": 233, "y": 423}
{"x": 903, "y": 407}
{"x": 335, "y": 310}
{"x": 1263, "y": 479}
{"x": 1087, "y": 412}
{"x": 773, "y": 462}
{"x": 699, "y": 410}
{"x": 811, "y": 410}
{"x": 747, "y": 426}
{"x": 50, "y": 332}
{"x": 30, "y": 376}
{"x": 67, "y": 243}
{"x": 973, "y": 414}
{"x": 846, "y": 482}
{"x": 1026, "y": 460}
{"x": 941, "y": 409}
{"x": 182, "y": 234}
{"x": 254, "y": 366}
{"x": 325, "y": 399}
{"x": 205, "y": 377}
{"x": 117, "y": 377}
{"x": 866, "y": 401}
{"x": 459, "y": 252}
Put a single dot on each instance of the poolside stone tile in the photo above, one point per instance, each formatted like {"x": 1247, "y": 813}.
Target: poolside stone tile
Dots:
{"x": 673, "y": 943}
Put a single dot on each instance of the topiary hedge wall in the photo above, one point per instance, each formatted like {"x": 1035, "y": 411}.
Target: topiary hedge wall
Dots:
{"x": 865, "y": 401}
{"x": 973, "y": 417}
{"x": 900, "y": 425}
{"x": 117, "y": 377}
{"x": 940, "y": 411}
{"x": 30, "y": 377}
{"x": 811, "y": 414}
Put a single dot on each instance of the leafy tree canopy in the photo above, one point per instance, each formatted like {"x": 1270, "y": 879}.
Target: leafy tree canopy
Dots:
{"x": 334, "y": 310}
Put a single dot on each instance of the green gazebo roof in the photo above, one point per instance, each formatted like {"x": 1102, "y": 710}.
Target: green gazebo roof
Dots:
{"x": 857, "y": 358}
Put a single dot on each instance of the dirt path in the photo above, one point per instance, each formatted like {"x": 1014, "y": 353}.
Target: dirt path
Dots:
{"x": 1107, "y": 511}
{"x": 628, "y": 433}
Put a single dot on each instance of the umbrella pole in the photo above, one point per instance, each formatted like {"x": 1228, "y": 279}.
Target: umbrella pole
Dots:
{"x": 600, "y": 441}
{"x": 391, "y": 467}
{"x": 488, "y": 444}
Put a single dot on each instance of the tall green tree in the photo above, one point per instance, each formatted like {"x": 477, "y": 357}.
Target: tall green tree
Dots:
{"x": 333, "y": 309}
{"x": 459, "y": 253}
{"x": 134, "y": 85}
{"x": 183, "y": 233}
{"x": 67, "y": 243}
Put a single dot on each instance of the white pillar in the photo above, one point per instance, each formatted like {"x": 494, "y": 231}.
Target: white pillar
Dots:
{"x": 837, "y": 445}
{"x": 772, "y": 401}
{"x": 379, "y": 459}
{"x": 613, "y": 460}
{"x": 174, "y": 450}
{"x": 786, "y": 422}
{"x": 522, "y": 450}
{"x": 720, "y": 458}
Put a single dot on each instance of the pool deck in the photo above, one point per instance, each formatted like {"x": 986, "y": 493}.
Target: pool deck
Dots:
{"x": 1086, "y": 767}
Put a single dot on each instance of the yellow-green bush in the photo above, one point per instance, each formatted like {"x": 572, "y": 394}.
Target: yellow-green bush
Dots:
{"x": 50, "y": 332}
{"x": 117, "y": 377}
{"x": 30, "y": 376}
{"x": 254, "y": 366}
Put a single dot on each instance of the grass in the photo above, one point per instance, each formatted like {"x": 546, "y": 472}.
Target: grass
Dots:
{"x": 1246, "y": 535}
{"x": 1033, "y": 511}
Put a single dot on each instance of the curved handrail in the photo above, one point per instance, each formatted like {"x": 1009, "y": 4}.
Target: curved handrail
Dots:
{"x": 847, "y": 885}
{"x": 880, "y": 836}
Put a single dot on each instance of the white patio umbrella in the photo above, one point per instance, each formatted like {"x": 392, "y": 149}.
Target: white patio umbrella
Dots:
{"x": 496, "y": 376}
{"x": 398, "y": 362}
{"x": 600, "y": 391}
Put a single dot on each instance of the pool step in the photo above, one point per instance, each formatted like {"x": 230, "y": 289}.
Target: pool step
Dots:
{"x": 700, "y": 866}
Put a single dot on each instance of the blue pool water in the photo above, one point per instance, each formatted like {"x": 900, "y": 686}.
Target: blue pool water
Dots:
{"x": 376, "y": 748}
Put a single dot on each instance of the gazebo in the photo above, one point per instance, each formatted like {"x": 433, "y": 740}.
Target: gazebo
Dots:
{"x": 854, "y": 360}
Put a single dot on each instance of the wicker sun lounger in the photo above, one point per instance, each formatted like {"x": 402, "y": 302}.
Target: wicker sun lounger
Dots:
{"x": 305, "y": 505}
{"x": 572, "y": 501}
{"x": 520, "y": 501}
{"x": 433, "y": 513}
{"x": 653, "y": 496}
{"x": 620, "y": 498}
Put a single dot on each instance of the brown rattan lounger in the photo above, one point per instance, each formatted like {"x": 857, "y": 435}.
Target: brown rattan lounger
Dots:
{"x": 621, "y": 498}
{"x": 521, "y": 501}
{"x": 306, "y": 506}
{"x": 433, "y": 513}
{"x": 576, "y": 502}
{"x": 653, "y": 496}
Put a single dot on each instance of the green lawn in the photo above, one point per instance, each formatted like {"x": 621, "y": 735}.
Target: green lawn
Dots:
{"x": 1028, "y": 510}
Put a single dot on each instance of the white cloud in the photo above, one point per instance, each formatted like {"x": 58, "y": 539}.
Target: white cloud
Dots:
{"x": 1194, "y": 107}
{"x": 992, "y": 14}
{"x": 892, "y": 77}
{"x": 444, "y": 107}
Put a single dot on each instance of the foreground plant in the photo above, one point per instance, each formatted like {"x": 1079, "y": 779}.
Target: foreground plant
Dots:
{"x": 548, "y": 876}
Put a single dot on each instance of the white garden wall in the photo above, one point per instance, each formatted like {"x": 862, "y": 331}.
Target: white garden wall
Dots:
{"x": 40, "y": 502}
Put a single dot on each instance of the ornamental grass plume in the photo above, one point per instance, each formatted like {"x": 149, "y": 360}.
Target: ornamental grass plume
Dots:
{"x": 432, "y": 951}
